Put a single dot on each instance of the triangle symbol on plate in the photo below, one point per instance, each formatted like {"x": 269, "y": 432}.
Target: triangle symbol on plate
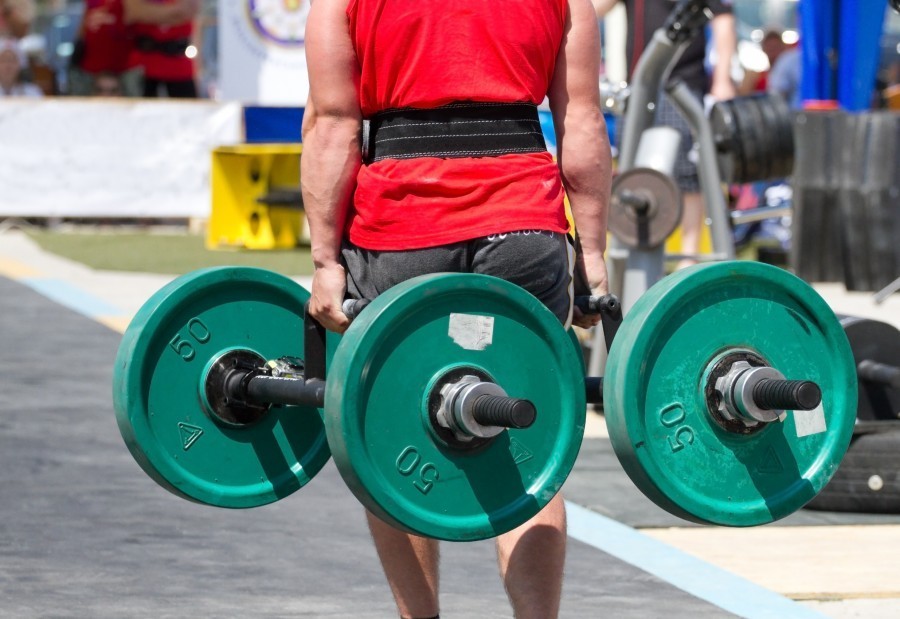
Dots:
{"x": 189, "y": 434}
{"x": 770, "y": 464}
{"x": 519, "y": 453}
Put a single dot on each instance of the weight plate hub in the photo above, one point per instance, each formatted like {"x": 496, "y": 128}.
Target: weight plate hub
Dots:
{"x": 385, "y": 372}
{"x": 662, "y": 200}
{"x": 161, "y": 402}
{"x": 656, "y": 405}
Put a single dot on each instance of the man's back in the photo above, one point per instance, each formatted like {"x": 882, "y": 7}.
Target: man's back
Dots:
{"x": 430, "y": 54}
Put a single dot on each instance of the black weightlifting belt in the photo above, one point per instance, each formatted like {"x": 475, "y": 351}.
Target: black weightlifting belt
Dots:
{"x": 455, "y": 130}
{"x": 175, "y": 47}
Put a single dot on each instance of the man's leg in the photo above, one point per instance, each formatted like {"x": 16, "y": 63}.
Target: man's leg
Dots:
{"x": 687, "y": 177}
{"x": 531, "y": 561}
{"x": 691, "y": 227}
{"x": 410, "y": 562}
{"x": 411, "y": 566}
{"x": 532, "y": 556}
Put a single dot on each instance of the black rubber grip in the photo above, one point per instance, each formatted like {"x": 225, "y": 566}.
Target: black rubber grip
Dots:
{"x": 797, "y": 395}
{"x": 352, "y": 307}
{"x": 595, "y": 305}
{"x": 495, "y": 410}
{"x": 880, "y": 373}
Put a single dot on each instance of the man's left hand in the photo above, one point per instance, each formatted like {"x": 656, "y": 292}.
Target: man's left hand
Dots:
{"x": 328, "y": 289}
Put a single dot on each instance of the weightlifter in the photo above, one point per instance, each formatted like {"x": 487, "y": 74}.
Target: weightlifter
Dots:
{"x": 423, "y": 153}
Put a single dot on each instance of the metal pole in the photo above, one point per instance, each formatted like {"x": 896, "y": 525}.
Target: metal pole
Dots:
{"x": 708, "y": 169}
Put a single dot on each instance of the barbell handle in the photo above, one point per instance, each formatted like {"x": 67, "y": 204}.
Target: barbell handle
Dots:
{"x": 593, "y": 390}
{"x": 881, "y": 373}
{"x": 587, "y": 305}
{"x": 610, "y": 309}
{"x": 314, "y": 337}
{"x": 608, "y": 306}
{"x": 313, "y": 346}
{"x": 797, "y": 395}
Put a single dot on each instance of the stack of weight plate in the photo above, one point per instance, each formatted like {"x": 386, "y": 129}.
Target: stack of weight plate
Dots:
{"x": 870, "y": 200}
{"x": 816, "y": 239}
{"x": 868, "y": 478}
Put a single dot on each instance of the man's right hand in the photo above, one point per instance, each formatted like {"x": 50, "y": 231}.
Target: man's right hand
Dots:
{"x": 328, "y": 289}
{"x": 593, "y": 270}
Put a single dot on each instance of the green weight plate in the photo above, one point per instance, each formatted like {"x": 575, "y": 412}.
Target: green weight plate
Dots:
{"x": 655, "y": 395}
{"x": 159, "y": 396}
{"x": 379, "y": 397}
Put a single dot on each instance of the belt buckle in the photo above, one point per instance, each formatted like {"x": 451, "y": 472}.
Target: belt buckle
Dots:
{"x": 366, "y": 128}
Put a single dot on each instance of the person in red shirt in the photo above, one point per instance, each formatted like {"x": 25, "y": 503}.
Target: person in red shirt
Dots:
{"x": 431, "y": 193}
{"x": 100, "y": 61}
{"x": 162, "y": 32}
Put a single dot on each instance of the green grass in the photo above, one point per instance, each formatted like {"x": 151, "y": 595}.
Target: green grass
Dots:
{"x": 165, "y": 253}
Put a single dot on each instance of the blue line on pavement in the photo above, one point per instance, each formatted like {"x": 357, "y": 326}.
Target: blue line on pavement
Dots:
{"x": 694, "y": 576}
{"x": 68, "y": 295}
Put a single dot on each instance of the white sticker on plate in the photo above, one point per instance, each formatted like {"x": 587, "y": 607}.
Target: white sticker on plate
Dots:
{"x": 472, "y": 332}
{"x": 810, "y": 422}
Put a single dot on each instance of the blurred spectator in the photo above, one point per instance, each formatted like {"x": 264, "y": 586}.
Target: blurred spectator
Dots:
{"x": 108, "y": 85}
{"x": 772, "y": 46}
{"x": 891, "y": 93}
{"x": 16, "y": 17}
{"x": 102, "y": 50}
{"x": 12, "y": 61}
{"x": 164, "y": 45}
{"x": 784, "y": 77}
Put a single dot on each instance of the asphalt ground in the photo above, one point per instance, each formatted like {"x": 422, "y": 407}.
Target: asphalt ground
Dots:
{"x": 84, "y": 532}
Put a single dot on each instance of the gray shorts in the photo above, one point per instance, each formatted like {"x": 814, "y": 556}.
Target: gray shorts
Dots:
{"x": 538, "y": 261}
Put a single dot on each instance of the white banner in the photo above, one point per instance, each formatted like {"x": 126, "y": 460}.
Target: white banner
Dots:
{"x": 110, "y": 158}
{"x": 261, "y": 55}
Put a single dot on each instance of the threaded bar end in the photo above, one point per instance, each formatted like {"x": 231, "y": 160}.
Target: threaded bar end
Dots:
{"x": 801, "y": 395}
{"x": 493, "y": 410}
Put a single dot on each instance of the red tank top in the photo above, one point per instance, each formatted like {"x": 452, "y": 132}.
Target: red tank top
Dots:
{"x": 107, "y": 47}
{"x": 427, "y": 53}
{"x": 157, "y": 65}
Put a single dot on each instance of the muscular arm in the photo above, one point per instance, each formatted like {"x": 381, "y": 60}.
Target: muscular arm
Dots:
{"x": 583, "y": 148}
{"x": 331, "y": 151}
{"x": 162, "y": 14}
{"x": 725, "y": 42}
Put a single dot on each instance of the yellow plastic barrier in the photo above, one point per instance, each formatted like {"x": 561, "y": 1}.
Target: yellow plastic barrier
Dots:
{"x": 673, "y": 243}
{"x": 255, "y": 197}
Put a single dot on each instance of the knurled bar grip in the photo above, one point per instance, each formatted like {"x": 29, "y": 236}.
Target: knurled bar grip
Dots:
{"x": 264, "y": 389}
{"x": 799, "y": 395}
{"x": 881, "y": 373}
{"x": 503, "y": 412}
